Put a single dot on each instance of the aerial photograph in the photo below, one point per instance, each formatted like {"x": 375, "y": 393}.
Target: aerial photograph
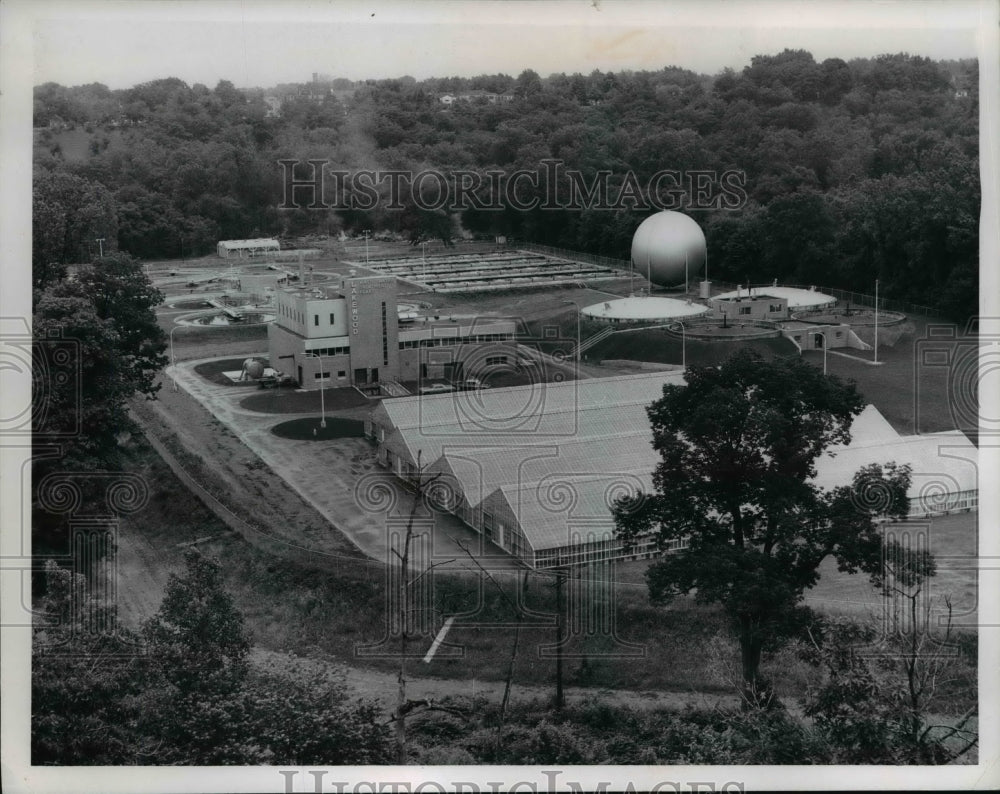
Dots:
{"x": 487, "y": 396}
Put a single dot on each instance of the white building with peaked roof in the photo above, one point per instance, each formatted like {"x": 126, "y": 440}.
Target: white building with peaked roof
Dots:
{"x": 229, "y": 249}
{"x": 537, "y": 468}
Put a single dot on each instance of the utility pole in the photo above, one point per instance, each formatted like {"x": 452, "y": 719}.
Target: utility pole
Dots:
{"x": 405, "y": 615}
{"x": 560, "y": 575}
{"x": 100, "y": 246}
{"x": 322, "y": 400}
{"x": 876, "y": 321}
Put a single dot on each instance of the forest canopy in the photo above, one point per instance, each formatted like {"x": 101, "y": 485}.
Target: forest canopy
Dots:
{"x": 851, "y": 170}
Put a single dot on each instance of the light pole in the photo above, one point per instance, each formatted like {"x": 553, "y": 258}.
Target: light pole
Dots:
{"x": 100, "y": 246}
{"x": 876, "y": 321}
{"x": 322, "y": 399}
{"x": 366, "y": 232}
{"x": 577, "y": 305}
{"x": 423, "y": 258}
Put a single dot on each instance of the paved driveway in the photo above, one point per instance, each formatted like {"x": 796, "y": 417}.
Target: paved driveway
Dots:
{"x": 342, "y": 481}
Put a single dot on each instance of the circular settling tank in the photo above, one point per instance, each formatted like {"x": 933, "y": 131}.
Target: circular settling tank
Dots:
{"x": 223, "y": 320}
{"x": 643, "y": 310}
{"x": 798, "y": 299}
{"x": 669, "y": 247}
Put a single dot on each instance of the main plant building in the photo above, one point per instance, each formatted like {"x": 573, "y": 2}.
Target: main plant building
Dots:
{"x": 536, "y": 468}
{"x": 350, "y": 335}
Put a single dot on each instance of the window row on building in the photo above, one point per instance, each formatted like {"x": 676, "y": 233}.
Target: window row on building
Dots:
{"x": 451, "y": 341}
{"x": 328, "y": 351}
{"x": 939, "y": 504}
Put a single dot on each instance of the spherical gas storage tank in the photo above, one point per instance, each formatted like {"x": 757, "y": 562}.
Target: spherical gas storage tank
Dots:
{"x": 253, "y": 368}
{"x": 670, "y": 248}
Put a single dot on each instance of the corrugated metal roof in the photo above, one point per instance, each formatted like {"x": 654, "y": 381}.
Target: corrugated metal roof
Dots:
{"x": 481, "y": 469}
{"x": 593, "y": 443}
{"x": 870, "y": 427}
{"x": 562, "y": 510}
{"x": 537, "y": 409}
{"x": 939, "y": 460}
{"x": 260, "y": 242}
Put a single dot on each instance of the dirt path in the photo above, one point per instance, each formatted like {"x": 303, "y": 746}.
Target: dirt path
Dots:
{"x": 383, "y": 686}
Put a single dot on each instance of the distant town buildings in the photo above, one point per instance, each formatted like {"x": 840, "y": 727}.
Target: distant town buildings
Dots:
{"x": 273, "y": 107}
{"x": 475, "y": 96}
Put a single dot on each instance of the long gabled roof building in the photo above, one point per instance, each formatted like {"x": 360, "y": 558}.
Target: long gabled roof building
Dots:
{"x": 537, "y": 468}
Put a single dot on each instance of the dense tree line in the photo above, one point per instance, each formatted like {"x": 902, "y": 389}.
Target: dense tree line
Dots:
{"x": 97, "y": 345}
{"x": 853, "y": 169}
{"x": 181, "y": 690}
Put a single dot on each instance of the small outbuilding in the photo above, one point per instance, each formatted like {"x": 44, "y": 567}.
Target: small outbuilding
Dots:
{"x": 229, "y": 249}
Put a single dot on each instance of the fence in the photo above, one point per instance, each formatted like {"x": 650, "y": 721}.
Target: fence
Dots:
{"x": 576, "y": 256}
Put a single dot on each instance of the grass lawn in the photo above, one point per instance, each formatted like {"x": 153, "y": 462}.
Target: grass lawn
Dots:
{"x": 663, "y": 347}
{"x": 331, "y": 607}
{"x": 309, "y": 429}
{"x": 914, "y": 388}
{"x": 286, "y": 401}
{"x": 188, "y": 336}
{"x": 953, "y": 541}
{"x": 212, "y": 370}
{"x": 190, "y": 305}
{"x": 293, "y": 601}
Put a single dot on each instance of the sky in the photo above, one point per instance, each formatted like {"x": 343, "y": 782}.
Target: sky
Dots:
{"x": 263, "y": 44}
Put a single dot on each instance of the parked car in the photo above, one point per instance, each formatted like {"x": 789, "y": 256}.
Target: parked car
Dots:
{"x": 436, "y": 388}
{"x": 471, "y": 384}
{"x": 277, "y": 381}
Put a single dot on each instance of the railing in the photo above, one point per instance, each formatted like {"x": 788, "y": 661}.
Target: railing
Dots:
{"x": 590, "y": 341}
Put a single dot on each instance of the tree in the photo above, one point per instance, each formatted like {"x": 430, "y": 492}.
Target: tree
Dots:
{"x": 875, "y": 701}
{"x": 68, "y": 214}
{"x": 98, "y": 344}
{"x": 86, "y": 686}
{"x": 122, "y": 295}
{"x": 528, "y": 84}
{"x": 191, "y": 697}
{"x": 738, "y": 445}
{"x": 80, "y": 390}
{"x": 198, "y": 634}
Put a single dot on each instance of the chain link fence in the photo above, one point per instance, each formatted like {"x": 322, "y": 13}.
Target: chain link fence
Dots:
{"x": 576, "y": 256}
